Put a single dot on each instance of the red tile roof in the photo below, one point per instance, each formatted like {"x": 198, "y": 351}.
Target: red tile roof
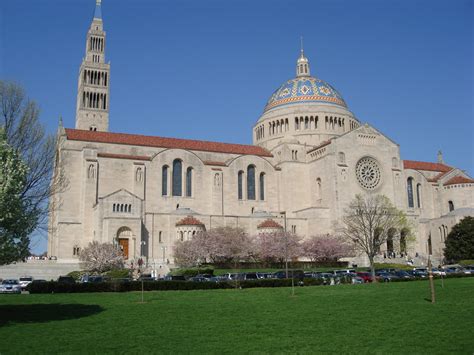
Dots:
{"x": 439, "y": 176}
{"x": 123, "y": 156}
{"x": 269, "y": 223}
{"x": 162, "y": 142}
{"x": 426, "y": 166}
{"x": 189, "y": 221}
{"x": 458, "y": 180}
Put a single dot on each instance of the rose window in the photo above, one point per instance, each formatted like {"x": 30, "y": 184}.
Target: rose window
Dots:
{"x": 368, "y": 173}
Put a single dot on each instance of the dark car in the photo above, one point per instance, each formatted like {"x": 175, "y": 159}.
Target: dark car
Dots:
{"x": 175, "y": 278}
{"x": 296, "y": 274}
{"x": 66, "y": 280}
{"x": 417, "y": 273}
{"x": 403, "y": 274}
{"x": 250, "y": 276}
{"x": 386, "y": 276}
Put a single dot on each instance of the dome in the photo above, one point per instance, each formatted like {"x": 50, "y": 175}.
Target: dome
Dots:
{"x": 305, "y": 89}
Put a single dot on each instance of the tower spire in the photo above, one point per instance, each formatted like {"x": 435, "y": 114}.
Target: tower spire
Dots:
{"x": 98, "y": 10}
{"x": 302, "y": 64}
{"x": 92, "y": 109}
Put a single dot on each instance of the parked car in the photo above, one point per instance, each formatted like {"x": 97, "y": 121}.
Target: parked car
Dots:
{"x": 25, "y": 281}
{"x": 174, "y": 278}
{"x": 66, "y": 280}
{"x": 403, "y": 274}
{"x": 264, "y": 275}
{"x": 366, "y": 276}
{"x": 250, "y": 276}
{"x": 469, "y": 269}
{"x": 386, "y": 276}
{"x": 296, "y": 274}
{"x": 417, "y": 273}
{"x": 344, "y": 271}
{"x": 10, "y": 286}
{"x": 438, "y": 272}
{"x": 455, "y": 270}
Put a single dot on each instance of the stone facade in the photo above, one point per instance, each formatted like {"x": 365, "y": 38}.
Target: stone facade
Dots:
{"x": 310, "y": 157}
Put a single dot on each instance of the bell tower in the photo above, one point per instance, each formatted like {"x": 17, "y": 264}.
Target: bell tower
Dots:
{"x": 92, "y": 109}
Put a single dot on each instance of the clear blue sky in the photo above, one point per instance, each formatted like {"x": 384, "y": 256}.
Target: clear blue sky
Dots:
{"x": 205, "y": 69}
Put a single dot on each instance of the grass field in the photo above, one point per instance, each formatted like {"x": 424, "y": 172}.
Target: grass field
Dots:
{"x": 382, "y": 318}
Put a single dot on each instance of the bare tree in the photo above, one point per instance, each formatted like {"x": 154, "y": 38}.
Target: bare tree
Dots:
{"x": 26, "y": 134}
{"x": 368, "y": 221}
{"x": 325, "y": 248}
{"x": 97, "y": 257}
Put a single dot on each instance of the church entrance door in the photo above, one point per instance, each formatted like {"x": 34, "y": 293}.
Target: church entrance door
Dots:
{"x": 123, "y": 243}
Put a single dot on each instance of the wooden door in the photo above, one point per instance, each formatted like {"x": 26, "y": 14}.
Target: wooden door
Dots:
{"x": 123, "y": 242}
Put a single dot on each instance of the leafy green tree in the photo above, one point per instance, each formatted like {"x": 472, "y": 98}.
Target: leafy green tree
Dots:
{"x": 460, "y": 241}
{"x": 17, "y": 221}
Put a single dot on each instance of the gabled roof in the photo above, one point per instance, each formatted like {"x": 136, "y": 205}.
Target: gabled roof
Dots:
{"x": 189, "y": 221}
{"x": 163, "y": 142}
{"x": 426, "y": 166}
{"x": 458, "y": 180}
{"x": 269, "y": 223}
{"x": 439, "y": 176}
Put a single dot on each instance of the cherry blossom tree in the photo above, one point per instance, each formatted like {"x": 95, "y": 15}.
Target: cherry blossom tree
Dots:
{"x": 278, "y": 247}
{"x": 324, "y": 248}
{"x": 101, "y": 257}
{"x": 218, "y": 246}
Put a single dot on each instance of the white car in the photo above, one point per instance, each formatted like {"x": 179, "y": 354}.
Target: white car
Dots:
{"x": 25, "y": 281}
{"x": 10, "y": 286}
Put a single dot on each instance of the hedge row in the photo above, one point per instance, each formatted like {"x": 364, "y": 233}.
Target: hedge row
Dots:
{"x": 55, "y": 287}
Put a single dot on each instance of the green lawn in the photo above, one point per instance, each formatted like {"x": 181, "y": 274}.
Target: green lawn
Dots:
{"x": 382, "y": 319}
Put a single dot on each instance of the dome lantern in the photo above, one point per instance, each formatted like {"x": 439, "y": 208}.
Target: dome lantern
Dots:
{"x": 302, "y": 64}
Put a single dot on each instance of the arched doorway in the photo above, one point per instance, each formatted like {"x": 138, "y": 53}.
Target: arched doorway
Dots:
{"x": 124, "y": 235}
{"x": 403, "y": 241}
{"x": 390, "y": 236}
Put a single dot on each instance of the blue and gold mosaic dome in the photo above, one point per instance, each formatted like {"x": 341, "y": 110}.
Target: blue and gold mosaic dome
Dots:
{"x": 305, "y": 89}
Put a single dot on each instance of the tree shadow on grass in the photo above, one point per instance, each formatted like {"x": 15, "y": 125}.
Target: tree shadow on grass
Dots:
{"x": 42, "y": 313}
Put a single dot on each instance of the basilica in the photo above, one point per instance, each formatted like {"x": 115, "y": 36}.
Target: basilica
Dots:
{"x": 310, "y": 156}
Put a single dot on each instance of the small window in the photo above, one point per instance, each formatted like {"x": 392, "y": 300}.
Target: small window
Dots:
{"x": 451, "y": 206}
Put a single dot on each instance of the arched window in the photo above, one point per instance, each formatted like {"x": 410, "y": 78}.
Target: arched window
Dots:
{"x": 451, "y": 206}
{"x": 403, "y": 241}
{"x": 189, "y": 182}
{"x": 410, "y": 192}
{"x": 262, "y": 186}
{"x": 240, "y": 178}
{"x": 418, "y": 195}
{"x": 164, "y": 180}
{"x": 177, "y": 177}
{"x": 251, "y": 182}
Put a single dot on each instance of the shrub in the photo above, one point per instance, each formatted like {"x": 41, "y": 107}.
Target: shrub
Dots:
{"x": 466, "y": 262}
{"x": 393, "y": 266}
{"x": 191, "y": 272}
{"x": 118, "y": 273}
{"x": 77, "y": 274}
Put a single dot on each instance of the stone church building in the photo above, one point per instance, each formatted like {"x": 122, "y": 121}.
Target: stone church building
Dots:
{"x": 310, "y": 156}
